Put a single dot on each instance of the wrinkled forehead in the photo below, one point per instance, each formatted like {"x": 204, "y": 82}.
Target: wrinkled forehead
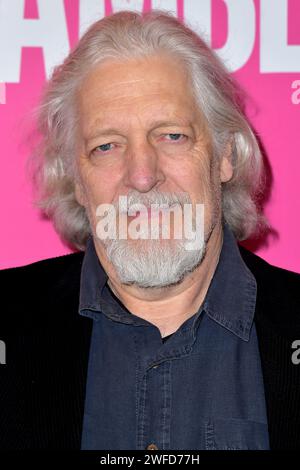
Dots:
{"x": 143, "y": 89}
{"x": 130, "y": 79}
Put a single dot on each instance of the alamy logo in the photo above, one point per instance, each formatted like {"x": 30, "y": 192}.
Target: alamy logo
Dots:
{"x": 139, "y": 221}
{"x": 2, "y": 352}
{"x": 296, "y": 353}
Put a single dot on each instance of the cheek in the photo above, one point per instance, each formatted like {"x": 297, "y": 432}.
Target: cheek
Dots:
{"x": 99, "y": 186}
{"x": 192, "y": 175}
{"x": 95, "y": 193}
{"x": 198, "y": 177}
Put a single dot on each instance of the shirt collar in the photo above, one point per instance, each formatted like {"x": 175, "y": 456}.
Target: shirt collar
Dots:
{"x": 231, "y": 297}
{"x": 93, "y": 279}
{"x": 230, "y": 300}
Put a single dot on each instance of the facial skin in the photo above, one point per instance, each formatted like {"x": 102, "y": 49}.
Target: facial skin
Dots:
{"x": 130, "y": 108}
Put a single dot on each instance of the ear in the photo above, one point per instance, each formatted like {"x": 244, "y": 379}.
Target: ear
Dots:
{"x": 226, "y": 169}
{"x": 79, "y": 194}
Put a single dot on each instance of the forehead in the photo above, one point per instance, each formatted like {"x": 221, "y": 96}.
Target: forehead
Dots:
{"x": 141, "y": 87}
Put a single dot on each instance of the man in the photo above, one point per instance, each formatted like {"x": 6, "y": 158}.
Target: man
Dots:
{"x": 139, "y": 341}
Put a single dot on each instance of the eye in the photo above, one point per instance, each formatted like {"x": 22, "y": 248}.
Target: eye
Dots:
{"x": 175, "y": 137}
{"x": 103, "y": 148}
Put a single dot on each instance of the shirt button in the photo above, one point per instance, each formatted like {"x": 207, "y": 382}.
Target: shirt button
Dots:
{"x": 152, "y": 447}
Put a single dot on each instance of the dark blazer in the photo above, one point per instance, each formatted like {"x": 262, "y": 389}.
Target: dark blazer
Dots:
{"x": 42, "y": 384}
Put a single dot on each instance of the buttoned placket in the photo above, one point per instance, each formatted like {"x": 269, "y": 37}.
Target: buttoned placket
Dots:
{"x": 154, "y": 382}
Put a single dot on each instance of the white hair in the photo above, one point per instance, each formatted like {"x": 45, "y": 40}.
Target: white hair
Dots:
{"x": 126, "y": 35}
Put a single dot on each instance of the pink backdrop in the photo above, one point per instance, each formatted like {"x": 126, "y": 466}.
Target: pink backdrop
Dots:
{"x": 270, "y": 74}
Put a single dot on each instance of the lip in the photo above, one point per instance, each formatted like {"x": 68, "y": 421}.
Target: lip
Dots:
{"x": 151, "y": 214}
{"x": 144, "y": 214}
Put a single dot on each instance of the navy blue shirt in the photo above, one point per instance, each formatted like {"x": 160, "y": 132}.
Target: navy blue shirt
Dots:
{"x": 202, "y": 388}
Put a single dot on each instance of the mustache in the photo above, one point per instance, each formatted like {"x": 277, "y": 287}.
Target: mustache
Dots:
{"x": 168, "y": 199}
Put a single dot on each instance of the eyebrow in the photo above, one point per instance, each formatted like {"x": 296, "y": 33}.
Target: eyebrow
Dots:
{"x": 98, "y": 132}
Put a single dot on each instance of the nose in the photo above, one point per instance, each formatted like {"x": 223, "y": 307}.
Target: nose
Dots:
{"x": 142, "y": 171}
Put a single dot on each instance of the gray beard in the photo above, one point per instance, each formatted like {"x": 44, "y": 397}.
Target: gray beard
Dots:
{"x": 156, "y": 263}
{"x": 153, "y": 263}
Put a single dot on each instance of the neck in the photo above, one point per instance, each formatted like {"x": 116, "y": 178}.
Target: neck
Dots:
{"x": 169, "y": 307}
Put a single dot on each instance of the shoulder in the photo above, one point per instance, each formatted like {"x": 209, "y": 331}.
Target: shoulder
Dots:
{"x": 264, "y": 270}
{"x": 39, "y": 287}
{"x": 45, "y": 273}
{"x": 278, "y": 292}
{"x": 51, "y": 265}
